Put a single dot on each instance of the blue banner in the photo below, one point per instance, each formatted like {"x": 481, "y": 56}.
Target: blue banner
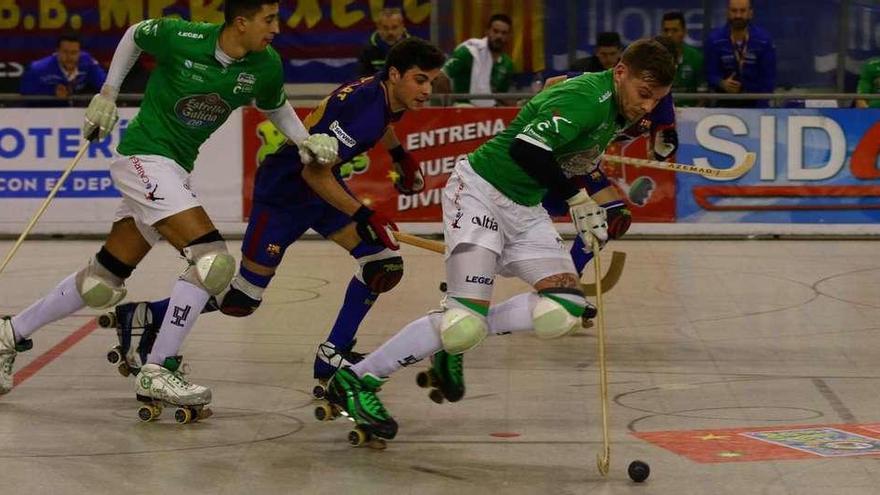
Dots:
{"x": 814, "y": 166}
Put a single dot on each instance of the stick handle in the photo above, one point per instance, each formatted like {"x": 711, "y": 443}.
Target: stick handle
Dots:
{"x": 42, "y": 209}
{"x": 737, "y": 170}
{"x": 420, "y": 242}
{"x": 604, "y": 459}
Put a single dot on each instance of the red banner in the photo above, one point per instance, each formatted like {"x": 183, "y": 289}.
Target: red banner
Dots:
{"x": 437, "y": 137}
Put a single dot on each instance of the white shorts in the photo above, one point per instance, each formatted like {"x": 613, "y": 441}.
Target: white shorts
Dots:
{"x": 153, "y": 187}
{"x": 474, "y": 212}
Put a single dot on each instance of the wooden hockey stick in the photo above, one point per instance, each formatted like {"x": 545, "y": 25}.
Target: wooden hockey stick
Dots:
{"x": 42, "y": 209}
{"x": 420, "y": 242}
{"x": 615, "y": 270}
{"x": 603, "y": 460}
{"x": 734, "y": 172}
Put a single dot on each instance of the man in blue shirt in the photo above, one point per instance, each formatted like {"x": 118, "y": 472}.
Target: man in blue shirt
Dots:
{"x": 740, "y": 57}
{"x": 66, "y": 72}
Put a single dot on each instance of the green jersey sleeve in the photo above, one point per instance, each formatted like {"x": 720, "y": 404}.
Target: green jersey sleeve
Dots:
{"x": 866, "y": 77}
{"x": 458, "y": 68}
{"x": 270, "y": 92}
{"x": 560, "y": 119}
{"x": 154, "y": 35}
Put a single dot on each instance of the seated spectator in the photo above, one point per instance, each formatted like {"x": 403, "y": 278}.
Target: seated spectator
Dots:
{"x": 608, "y": 51}
{"x": 689, "y": 75}
{"x": 66, "y": 72}
{"x": 480, "y": 65}
{"x": 389, "y": 31}
{"x": 740, "y": 57}
{"x": 869, "y": 82}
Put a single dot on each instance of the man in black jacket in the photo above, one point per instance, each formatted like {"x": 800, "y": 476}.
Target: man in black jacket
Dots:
{"x": 389, "y": 31}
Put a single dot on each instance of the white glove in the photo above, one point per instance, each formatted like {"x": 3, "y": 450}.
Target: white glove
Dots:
{"x": 101, "y": 115}
{"x": 589, "y": 219}
{"x": 320, "y": 147}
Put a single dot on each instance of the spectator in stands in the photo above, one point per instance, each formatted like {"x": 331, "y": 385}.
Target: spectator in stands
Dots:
{"x": 480, "y": 65}
{"x": 389, "y": 31}
{"x": 608, "y": 51}
{"x": 66, "y": 72}
{"x": 689, "y": 75}
{"x": 740, "y": 57}
{"x": 869, "y": 82}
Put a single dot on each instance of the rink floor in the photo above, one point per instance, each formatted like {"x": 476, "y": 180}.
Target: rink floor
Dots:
{"x": 736, "y": 367}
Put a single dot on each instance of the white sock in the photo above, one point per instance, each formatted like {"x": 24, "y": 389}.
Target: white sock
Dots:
{"x": 187, "y": 302}
{"x": 513, "y": 315}
{"x": 62, "y": 301}
{"x": 414, "y": 342}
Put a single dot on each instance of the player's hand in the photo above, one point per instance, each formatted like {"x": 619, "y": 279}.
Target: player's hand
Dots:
{"x": 589, "y": 218}
{"x": 731, "y": 85}
{"x": 375, "y": 229}
{"x": 409, "y": 176}
{"x": 665, "y": 142}
{"x": 101, "y": 116}
{"x": 319, "y": 147}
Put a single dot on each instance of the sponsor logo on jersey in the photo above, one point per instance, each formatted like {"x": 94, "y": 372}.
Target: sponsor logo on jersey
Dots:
{"x": 189, "y": 64}
{"x": 486, "y": 222}
{"x": 141, "y": 173}
{"x": 190, "y": 34}
{"x": 151, "y": 195}
{"x": 245, "y": 83}
{"x": 604, "y": 97}
{"x": 201, "y": 111}
{"x": 479, "y": 279}
{"x": 341, "y": 135}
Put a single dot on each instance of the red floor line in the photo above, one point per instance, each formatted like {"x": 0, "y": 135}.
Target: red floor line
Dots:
{"x": 52, "y": 354}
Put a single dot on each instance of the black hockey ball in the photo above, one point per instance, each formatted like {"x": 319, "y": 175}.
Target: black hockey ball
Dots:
{"x": 638, "y": 471}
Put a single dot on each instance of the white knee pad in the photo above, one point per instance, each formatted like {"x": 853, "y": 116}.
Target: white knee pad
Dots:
{"x": 211, "y": 266}
{"x": 557, "y": 313}
{"x": 98, "y": 287}
{"x": 462, "y": 330}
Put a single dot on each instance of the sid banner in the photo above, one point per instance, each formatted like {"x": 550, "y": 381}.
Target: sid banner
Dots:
{"x": 814, "y": 166}
{"x": 437, "y": 138}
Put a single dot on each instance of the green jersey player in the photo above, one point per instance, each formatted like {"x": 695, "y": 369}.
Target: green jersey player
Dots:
{"x": 869, "y": 82}
{"x": 494, "y": 224}
{"x": 203, "y": 72}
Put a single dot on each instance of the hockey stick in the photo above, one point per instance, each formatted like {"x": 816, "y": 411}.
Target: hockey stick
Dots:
{"x": 734, "y": 172}
{"x": 615, "y": 270}
{"x": 420, "y": 242}
{"x": 42, "y": 209}
{"x": 603, "y": 460}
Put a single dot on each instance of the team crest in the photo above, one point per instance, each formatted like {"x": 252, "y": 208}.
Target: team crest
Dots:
{"x": 273, "y": 250}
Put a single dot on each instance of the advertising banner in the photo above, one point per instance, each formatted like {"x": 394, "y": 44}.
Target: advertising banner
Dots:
{"x": 814, "y": 166}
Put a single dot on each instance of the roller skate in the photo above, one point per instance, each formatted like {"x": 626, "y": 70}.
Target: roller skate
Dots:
{"x": 8, "y": 350}
{"x": 159, "y": 386}
{"x": 355, "y": 398}
{"x": 589, "y": 313}
{"x": 328, "y": 360}
{"x": 445, "y": 377}
{"x": 130, "y": 320}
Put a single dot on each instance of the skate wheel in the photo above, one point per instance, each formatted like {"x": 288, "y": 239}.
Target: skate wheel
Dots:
{"x": 114, "y": 355}
{"x": 424, "y": 379}
{"x": 357, "y": 437}
{"x": 183, "y": 415}
{"x": 319, "y": 392}
{"x": 436, "y": 396}
{"x": 107, "y": 320}
{"x": 123, "y": 369}
{"x": 149, "y": 413}
{"x": 324, "y": 413}
{"x": 204, "y": 413}
{"x": 377, "y": 444}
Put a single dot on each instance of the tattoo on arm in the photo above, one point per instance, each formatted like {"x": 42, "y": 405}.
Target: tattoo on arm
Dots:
{"x": 562, "y": 280}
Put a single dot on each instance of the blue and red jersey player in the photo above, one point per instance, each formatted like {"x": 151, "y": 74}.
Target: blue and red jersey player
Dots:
{"x": 290, "y": 198}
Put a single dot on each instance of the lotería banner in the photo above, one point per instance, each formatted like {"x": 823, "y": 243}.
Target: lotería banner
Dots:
{"x": 816, "y": 166}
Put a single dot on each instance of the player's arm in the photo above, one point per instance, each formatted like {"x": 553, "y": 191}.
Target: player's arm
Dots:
{"x": 864, "y": 85}
{"x": 409, "y": 178}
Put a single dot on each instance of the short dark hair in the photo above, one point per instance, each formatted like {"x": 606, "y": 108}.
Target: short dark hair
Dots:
{"x": 243, "y": 8}
{"x": 414, "y": 52}
{"x": 608, "y": 38}
{"x": 675, "y": 15}
{"x": 500, "y": 17}
{"x": 650, "y": 60}
{"x": 667, "y": 42}
{"x": 69, "y": 36}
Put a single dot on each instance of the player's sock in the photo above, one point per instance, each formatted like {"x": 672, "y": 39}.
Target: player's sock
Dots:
{"x": 184, "y": 306}
{"x": 62, "y": 301}
{"x": 357, "y": 303}
{"x": 414, "y": 342}
{"x": 258, "y": 283}
{"x": 578, "y": 256}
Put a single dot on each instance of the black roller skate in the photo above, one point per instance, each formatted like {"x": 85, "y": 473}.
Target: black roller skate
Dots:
{"x": 445, "y": 377}
{"x": 355, "y": 398}
{"x": 589, "y": 313}
{"x": 328, "y": 360}
{"x": 130, "y": 320}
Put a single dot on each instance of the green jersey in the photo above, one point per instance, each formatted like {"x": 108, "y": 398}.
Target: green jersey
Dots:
{"x": 575, "y": 120}
{"x": 458, "y": 69}
{"x": 689, "y": 76}
{"x": 869, "y": 80}
{"x": 190, "y": 93}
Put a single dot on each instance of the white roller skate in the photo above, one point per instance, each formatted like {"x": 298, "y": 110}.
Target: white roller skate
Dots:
{"x": 328, "y": 360}
{"x": 8, "y": 350}
{"x": 158, "y": 386}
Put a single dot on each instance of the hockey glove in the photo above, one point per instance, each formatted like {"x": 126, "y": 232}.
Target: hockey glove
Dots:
{"x": 320, "y": 147}
{"x": 409, "y": 176}
{"x": 375, "y": 229}
{"x": 101, "y": 117}
{"x": 589, "y": 219}
{"x": 665, "y": 142}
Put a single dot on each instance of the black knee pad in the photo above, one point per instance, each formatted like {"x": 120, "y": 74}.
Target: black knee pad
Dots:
{"x": 382, "y": 275}
{"x": 237, "y": 303}
{"x": 112, "y": 264}
{"x": 619, "y": 220}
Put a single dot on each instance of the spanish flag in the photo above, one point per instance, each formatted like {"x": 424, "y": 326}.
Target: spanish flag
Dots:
{"x": 470, "y": 18}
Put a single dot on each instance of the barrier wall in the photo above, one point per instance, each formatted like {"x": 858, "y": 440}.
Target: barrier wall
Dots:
{"x": 816, "y": 172}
